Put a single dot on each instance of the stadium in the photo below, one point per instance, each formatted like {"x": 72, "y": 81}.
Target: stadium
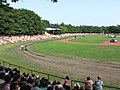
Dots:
{"x": 38, "y": 55}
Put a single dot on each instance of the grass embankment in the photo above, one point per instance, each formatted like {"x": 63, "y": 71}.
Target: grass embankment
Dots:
{"x": 12, "y": 54}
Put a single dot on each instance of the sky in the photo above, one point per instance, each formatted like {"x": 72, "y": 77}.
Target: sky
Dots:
{"x": 75, "y": 12}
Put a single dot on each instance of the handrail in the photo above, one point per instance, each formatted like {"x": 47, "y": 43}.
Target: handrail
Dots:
{"x": 21, "y": 67}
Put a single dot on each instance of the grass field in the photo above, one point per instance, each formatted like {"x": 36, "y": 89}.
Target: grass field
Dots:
{"x": 96, "y": 53}
{"x": 100, "y": 53}
{"x": 94, "y": 39}
{"x": 12, "y": 54}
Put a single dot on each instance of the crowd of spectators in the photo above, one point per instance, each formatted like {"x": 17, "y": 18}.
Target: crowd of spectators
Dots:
{"x": 24, "y": 38}
{"x": 12, "y": 79}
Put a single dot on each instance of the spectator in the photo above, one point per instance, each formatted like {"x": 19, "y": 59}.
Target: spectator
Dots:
{"x": 23, "y": 83}
{"x": 66, "y": 85}
{"x": 6, "y": 85}
{"x": 2, "y": 75}
{"x": 98, "y": 83}
{"x": 42, "y": 81}
{"x": 59, "y": 86}
{"x": 30, "y": 81}
{"x": 35, "y": 86}
{"x": 54, "y": 84}
{"x": 44, "y": 86}
{"x": 14, "y": 86}
{"x": 49, "y": 86}
{"x": 67, "y": 80}
{"x": 25, "y": 87}
{"x": 88, "y": 84}
{"x": 77, "y": 86}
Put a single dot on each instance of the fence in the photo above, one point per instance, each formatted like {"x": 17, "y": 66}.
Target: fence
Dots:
{"x": 51, "y": 75}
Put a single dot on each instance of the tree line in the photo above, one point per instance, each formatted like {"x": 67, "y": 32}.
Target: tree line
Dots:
{"x": 26, "y": 22}
{"x": 68, "y": 28}
{"x": 89, "y": 29}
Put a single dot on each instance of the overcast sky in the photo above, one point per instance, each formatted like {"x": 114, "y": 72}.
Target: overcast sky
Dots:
{"x": 75, "y": 12}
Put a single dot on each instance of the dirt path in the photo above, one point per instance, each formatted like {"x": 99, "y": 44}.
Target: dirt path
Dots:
{"x": 76, "y": 68}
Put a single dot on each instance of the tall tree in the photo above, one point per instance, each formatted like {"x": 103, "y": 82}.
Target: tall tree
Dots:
{"x": 19, "y": 21}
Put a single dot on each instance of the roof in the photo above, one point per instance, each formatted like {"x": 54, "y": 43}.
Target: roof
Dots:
{"x": 52, "y": 29}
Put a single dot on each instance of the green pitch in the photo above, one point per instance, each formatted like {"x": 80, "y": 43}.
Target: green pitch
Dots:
{"x": 94, "y": 39}
{"x": 102, "y": 53}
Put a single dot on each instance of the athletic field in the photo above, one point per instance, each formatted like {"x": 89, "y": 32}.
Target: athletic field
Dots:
{"x": 76, "y": 57}
{"x": 97, "y": 48}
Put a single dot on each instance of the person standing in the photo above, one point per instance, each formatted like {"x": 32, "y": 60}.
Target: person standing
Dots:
{"x": 98, "y": 83}
{"x": 88, "y": 84}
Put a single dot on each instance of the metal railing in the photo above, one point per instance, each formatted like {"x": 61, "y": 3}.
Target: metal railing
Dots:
{"x": 21, "y": 67}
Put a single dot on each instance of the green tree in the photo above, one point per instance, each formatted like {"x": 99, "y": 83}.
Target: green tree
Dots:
{"x": 118, "y": 28}
{"x": 46, "y": 23}
{"x": 112, "y": 29}
{"x": 19, "y": 21}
